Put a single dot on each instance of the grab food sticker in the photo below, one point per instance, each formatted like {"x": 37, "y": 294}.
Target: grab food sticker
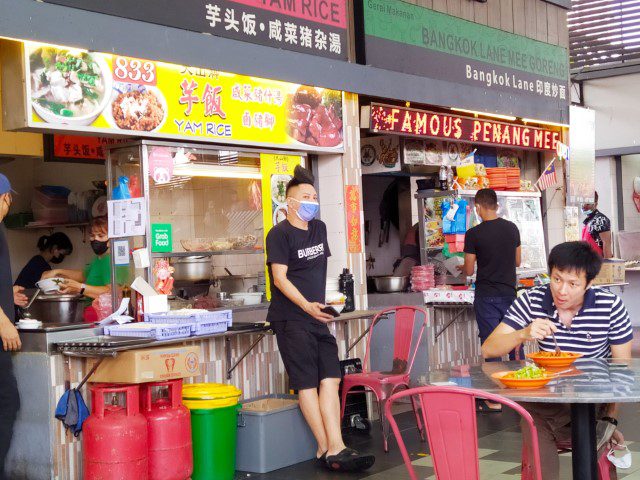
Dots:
{"x": 76, "y": 90}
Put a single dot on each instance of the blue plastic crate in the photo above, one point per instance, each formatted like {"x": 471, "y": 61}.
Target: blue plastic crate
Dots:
{"x": 191, "y": 316}
{"x": 158, "y": 331}
{"x": 208, "y": 327}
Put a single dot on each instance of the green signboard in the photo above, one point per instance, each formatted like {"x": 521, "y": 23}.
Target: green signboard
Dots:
{"x": 161, "y": 237}
{"x": 412, "y": 39}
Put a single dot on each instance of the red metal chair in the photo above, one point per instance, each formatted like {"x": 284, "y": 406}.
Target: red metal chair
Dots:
{"x": 449, "y": 416}
{"x": 384, "y": 384}
{"x": 604, "y": 464}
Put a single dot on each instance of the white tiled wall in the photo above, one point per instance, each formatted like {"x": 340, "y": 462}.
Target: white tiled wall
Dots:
{"x": 630, "y": 170}
{"x": 27, "y": 173}
{"x": 331, "y": 193}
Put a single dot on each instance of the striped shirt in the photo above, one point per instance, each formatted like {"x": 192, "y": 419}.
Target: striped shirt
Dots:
{"x": 601, "y": 322}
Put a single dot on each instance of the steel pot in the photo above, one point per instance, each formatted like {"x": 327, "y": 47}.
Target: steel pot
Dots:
{"x": 391, "y": 284}
{"x": 235, "y": 283}
{"x": 57, "y": 308}
{"x": 191, "y": 269}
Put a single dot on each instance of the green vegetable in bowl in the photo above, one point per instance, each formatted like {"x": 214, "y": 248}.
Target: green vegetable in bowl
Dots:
{"x": 529, "y": 372}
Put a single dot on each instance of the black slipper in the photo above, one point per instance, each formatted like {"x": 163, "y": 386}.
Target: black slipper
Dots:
{"x": 348, "y": 460}
{"x": 483, "y": 407}
{"x": 321, "y": 461}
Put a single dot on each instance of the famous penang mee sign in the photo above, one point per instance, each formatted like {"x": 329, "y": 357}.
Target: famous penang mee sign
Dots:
{"x": 422, "y": 123}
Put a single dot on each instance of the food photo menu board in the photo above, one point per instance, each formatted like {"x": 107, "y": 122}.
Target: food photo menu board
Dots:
{"x": 76, "y": 90}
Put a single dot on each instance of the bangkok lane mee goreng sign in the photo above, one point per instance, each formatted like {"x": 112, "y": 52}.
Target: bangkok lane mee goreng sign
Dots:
{"x": 416, "y": 40}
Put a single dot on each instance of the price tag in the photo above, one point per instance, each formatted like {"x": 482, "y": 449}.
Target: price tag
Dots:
{"x": 133, "y": 70}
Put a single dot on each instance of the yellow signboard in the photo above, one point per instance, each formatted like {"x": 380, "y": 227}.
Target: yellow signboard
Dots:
{"x": 276, "y": 170}
{"x": 75, "y": 90}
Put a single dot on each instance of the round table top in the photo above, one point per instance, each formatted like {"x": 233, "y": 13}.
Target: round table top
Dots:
{"x": 589, "y": 381}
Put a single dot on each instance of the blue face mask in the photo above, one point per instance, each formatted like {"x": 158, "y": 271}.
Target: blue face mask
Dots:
{"x": 307, "y": 210}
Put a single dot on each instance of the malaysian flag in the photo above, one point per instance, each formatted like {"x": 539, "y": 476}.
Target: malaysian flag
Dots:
{"x": 548, "y": 178}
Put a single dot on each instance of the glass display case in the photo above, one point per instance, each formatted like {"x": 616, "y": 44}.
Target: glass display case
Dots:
{"x": 521, "y": 208}
{"x": 204, "y": 208}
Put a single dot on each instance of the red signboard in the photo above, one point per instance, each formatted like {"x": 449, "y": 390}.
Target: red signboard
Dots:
{"x": 82, "y": 148}
{"x": 422, "y": 123}
{"x": 354, "y": 225}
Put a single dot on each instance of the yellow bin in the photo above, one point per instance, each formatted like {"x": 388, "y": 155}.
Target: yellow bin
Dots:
{"x": 197, "y": 396}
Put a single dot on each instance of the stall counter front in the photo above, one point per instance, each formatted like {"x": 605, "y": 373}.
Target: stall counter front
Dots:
{"x": 42, "y": 449}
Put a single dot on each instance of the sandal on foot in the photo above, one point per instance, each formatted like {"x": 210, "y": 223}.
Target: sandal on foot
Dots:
{"x": 483, "y": 407}
{"x": 348, "y": 460}
{"x": 321, "y": 461}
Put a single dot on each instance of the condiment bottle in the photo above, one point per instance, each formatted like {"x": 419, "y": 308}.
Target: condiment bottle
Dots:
{"x": 345, "y": 283}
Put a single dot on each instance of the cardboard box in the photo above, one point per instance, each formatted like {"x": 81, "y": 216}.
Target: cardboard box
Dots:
{"x": 148, "y": 365}
{"x": 612, "y": 271}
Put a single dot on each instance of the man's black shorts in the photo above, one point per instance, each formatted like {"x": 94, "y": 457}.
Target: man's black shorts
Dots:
{"x": 309, "y": 352}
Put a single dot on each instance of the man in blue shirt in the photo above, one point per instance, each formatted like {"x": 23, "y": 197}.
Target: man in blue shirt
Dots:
{"x": 584, "y": 319}
{"x": 9, "y": 396}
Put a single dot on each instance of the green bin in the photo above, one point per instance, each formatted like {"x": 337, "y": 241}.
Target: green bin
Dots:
{"x": 214, "y": 427}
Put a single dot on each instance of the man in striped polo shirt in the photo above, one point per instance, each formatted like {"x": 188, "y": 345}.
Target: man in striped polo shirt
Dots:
{"x": 585, "y": 319}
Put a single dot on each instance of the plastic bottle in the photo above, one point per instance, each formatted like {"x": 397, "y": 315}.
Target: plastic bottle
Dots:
{"x": 442, "y": 177}
{"x": 345, "y": 283}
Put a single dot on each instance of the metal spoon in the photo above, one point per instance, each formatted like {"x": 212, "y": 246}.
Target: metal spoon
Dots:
{"x": 25, "y": 312}
{"x": 558, "y": 351}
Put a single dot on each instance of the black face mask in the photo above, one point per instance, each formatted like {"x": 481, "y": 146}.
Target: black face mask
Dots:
{"x": 57, "y": 260}
{"x": 99, "y": 248}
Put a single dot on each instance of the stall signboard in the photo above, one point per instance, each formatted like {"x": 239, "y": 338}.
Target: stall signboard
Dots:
{"x": 73, "y": 90}
{"x": 354, "y": 220}
{"x": 78, "y": 148}
{"x": 581, "y": 161}
{"x": 316, "y": 27}
{"x": 277, "y": 171}
{"x": 422, "y": 123}
{"x": 412, "y": 39}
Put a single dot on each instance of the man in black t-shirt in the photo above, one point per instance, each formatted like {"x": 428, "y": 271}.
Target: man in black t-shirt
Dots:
{"x": 9, "y": 397}
{"x": 596, "y": 230}
{"x": 297, "y": 252}
{"x": 494, "y": 245}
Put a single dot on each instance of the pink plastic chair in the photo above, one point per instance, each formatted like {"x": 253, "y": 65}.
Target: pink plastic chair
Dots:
{"x": 604, "y": 464}
{"x": 449, "y": 416}
{"x": 384, "y": 384}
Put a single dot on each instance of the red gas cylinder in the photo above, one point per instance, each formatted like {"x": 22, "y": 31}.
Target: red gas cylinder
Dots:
{"x": 115, "y": 435}
{"x": 169, "y": 428}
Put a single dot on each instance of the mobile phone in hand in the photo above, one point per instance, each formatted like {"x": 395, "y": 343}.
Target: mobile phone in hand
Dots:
{"x": 329, "y": 310}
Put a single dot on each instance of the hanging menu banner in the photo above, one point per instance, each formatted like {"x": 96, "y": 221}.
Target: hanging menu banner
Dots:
{"x": 422, "y": 123}
{"x": 96, "y": 93}
{"x": 317, "y": 27}
{"x": 412, "y": 39}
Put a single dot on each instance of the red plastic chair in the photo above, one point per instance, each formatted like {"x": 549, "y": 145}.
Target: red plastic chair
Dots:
{"x": 449, "y": 416}
{"x": 604, "y": 464}
{"x": 384, "y": 384}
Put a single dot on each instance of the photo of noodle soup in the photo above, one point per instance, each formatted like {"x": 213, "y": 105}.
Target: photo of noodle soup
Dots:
{"x": 68, "y": 87}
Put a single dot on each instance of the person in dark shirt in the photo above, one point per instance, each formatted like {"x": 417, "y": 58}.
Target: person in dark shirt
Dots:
{"x": 297, "y": 252}
{"x": 53, "y": 250}
{"x": 596, "y": 230}
{"x": 494, "y": 245}
{"x": 9, "y": 396}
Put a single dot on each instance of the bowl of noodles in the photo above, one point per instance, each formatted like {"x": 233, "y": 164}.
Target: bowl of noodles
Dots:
{"x": 553, "y": 359}
{"x": 525, "y": 378}
{"x": 67, "y": 86}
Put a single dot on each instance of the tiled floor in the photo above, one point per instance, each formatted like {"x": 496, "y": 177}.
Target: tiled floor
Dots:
{"x": 499, "y": 442}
